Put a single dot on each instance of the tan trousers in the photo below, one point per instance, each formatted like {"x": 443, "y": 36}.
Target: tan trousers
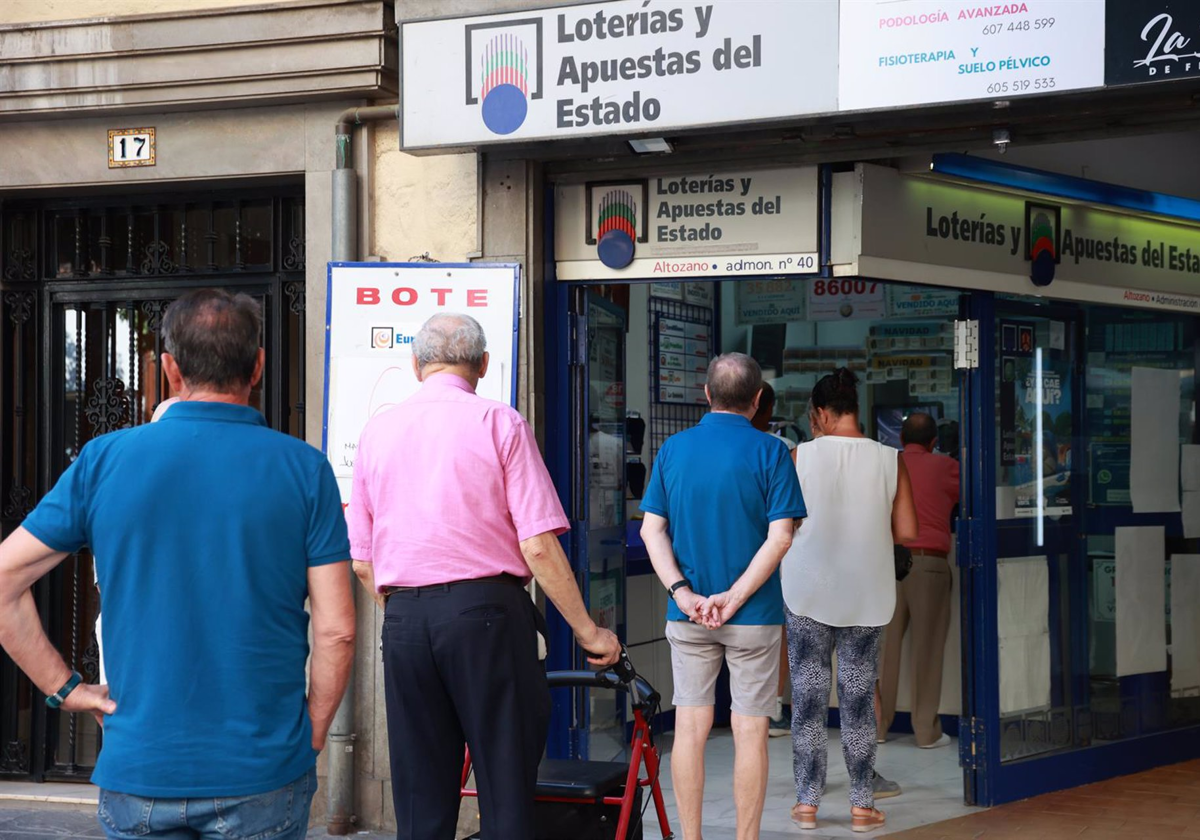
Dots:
{"x": 922, "y": 601}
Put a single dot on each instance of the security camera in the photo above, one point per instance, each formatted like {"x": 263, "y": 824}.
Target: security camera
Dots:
{"x": 1000, "y": 139}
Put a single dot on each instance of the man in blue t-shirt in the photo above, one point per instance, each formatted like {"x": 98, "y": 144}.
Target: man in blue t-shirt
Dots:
{"x": 721, "y": 505}
{"x": 209, "y": 532}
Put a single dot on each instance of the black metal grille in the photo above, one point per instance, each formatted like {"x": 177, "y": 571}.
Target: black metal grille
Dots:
{"x": 84, "y": 289}
{"x": 668, "y": 418}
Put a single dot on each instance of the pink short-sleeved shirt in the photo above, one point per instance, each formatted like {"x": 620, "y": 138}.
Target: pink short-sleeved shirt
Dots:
{"x": 446, "y": 486}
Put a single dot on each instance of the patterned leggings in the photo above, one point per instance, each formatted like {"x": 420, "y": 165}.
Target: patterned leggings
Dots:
{"x": 810, "y": 651}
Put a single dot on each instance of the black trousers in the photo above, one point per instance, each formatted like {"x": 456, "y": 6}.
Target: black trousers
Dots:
{"x": 461, "y": 669}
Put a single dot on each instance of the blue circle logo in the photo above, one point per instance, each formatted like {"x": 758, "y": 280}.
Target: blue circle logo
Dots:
{"x": 616, "y": 228}
{"x": 505, "y": 89}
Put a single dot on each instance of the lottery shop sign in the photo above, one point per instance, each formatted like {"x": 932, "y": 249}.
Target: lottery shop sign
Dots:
{"x": 610, "y": 68}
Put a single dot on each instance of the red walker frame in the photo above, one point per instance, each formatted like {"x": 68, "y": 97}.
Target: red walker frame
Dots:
{"x": 642, "y": 696}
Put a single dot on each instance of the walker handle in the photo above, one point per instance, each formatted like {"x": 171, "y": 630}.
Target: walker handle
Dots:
{"x": 623, "y": 668}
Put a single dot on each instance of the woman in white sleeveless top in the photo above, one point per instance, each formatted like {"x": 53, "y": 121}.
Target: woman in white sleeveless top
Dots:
{"x": 839, "y": 584}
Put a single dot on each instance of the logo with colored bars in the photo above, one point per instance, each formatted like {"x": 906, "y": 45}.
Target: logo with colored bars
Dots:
{"x": 617, "y": 229}
{"x": 616, "y": 221}
{"x": 504, "y": 71}
{"x": 1043, "y": 240}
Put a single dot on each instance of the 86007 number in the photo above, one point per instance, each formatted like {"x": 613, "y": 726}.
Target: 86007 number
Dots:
{"x": 843, "y": 287}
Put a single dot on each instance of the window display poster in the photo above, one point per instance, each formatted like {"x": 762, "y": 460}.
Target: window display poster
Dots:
{"x": 762, "y": 302}
{"x": 1041, "y": 436}
{"x": 845, "y": 298}
{"x": 667, "y": 290}
{"x": 917, "y": 302}
{"x": 698, "y": 294}
{"x": 1109, "y": 471}
{"x": 683, "y": 350}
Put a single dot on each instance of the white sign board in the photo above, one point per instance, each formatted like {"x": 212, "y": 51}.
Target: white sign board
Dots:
{"x": 374, "y": 312}
{"x": 921, "y": 52}
{"x": 725, "y": 223}
{"x": 623, "y": 67}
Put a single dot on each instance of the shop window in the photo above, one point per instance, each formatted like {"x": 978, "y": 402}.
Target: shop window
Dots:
{"x": 1143, "y": 662}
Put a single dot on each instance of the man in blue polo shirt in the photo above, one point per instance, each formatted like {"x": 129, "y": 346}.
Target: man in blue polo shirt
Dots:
{"x": 209, "y": 532}
{"x": 720, "y": 508}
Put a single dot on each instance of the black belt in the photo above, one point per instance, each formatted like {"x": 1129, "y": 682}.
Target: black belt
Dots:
{"x": 511, "y": 580}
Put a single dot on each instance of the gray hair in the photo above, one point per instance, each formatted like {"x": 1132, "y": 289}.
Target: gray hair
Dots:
{"x": 734, "y": 380}
{"x": 450, "y": 339}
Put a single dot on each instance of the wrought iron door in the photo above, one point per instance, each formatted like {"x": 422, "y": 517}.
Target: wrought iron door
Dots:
{"x": 84, "y": 288}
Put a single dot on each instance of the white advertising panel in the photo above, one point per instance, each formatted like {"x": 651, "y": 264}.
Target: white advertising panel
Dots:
{"x": 920, "y": 52}
{"x": 741, "y": 222}
{"x": 623, "y": 67}
{"x": 374, "y": 312}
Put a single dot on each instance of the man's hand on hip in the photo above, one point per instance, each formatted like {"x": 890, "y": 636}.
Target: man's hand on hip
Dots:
{"x": 92, "y": 699}
{"x": 602, "y": 647}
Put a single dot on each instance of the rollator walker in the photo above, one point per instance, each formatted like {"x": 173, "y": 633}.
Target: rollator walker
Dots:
{"x": 599, "y": 800}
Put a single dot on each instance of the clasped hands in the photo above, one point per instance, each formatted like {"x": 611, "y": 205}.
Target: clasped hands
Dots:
{"x": 710, "y": 612}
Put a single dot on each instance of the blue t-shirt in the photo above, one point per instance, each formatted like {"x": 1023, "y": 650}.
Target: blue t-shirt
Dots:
{"x": 720, "y": 484}
{"x": 203, "y": 527}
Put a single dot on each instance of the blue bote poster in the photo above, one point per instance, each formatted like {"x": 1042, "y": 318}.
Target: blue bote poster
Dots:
{"x": 1041, "y": 437}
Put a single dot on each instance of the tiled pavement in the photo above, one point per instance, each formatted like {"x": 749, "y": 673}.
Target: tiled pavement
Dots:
{"x": 1161, "y": 803}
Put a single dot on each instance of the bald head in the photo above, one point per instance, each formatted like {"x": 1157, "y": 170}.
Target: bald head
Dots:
{"x": 920, "y": 429}
{"x": 450, "y": 340}
{"x": 734, "y": 380}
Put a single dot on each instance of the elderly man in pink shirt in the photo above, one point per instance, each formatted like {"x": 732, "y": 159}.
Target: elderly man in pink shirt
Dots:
{"x": 451, "y": 513}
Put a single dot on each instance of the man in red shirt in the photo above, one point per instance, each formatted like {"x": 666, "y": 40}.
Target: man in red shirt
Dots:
{"x": 923, "y": 597}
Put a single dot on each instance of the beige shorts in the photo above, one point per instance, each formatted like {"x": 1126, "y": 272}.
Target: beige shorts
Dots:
{"x": 752, "y": 651}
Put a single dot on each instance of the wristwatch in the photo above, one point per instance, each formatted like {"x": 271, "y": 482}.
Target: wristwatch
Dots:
{"x": 676, "y": 586}
{"x": 56, "y": 699}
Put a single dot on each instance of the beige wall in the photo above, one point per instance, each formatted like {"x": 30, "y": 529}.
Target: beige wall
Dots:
{"x": 37, "y": 11}
{"x": 422, "y": 204}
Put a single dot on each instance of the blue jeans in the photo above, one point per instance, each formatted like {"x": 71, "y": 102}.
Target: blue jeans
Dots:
{"x": 276, "y": 815}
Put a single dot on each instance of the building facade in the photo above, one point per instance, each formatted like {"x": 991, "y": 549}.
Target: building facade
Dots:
{"x": 882, "y": 227}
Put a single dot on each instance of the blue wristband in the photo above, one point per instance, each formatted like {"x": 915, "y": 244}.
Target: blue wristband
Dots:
{"x": 55, "y": 700}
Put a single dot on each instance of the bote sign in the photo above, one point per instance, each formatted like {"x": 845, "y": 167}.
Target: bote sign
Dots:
{"x": 1151, "y": 41}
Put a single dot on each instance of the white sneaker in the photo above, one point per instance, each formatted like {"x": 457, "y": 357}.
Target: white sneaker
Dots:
{"x": 943, "y": 741}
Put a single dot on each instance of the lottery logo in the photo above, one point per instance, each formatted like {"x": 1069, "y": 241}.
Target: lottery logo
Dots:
{"x": 617, "y": 231}
{"x": 504, "y": 72}
{"x": 382, "y": 338}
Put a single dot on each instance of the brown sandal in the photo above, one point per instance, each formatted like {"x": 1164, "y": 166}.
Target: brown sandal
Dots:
{"x": 866, "y": 822}
{"x": 804, "y": 819}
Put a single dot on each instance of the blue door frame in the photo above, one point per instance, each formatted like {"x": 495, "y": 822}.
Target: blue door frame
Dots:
{"x": 981, "y": 540}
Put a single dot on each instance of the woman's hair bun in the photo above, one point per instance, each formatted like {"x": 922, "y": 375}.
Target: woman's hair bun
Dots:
{"x": 837, "y": 392}
{"x": 844, "y": 378}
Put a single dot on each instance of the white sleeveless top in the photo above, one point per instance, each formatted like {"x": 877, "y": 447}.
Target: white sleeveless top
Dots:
{"x": 841, "y": 569}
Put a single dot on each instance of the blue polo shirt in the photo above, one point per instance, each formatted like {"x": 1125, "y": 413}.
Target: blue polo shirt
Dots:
{"x": 203, "y": 526}
{"x": 720, "y": 484}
